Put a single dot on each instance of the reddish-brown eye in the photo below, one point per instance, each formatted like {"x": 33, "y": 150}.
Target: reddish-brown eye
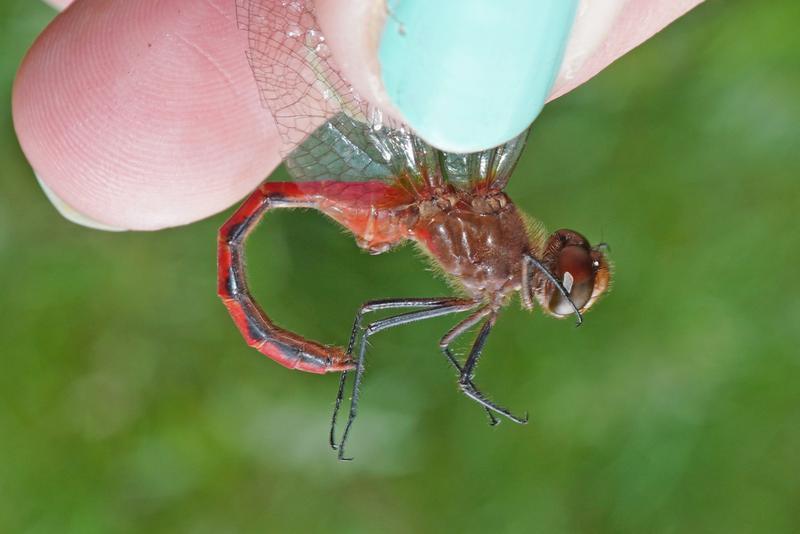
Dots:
{"x": 574, "y": 271}
{"x": 582, "y": 270}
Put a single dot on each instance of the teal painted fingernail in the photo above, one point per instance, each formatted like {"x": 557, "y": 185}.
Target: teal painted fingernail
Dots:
{"x": 471, "y": 74}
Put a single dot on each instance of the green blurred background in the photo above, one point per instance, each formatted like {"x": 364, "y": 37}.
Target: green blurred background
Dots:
{"x": 129, "y": 403}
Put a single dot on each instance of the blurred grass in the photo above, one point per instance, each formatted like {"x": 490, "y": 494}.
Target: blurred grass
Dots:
{"x": 128, "y": 402}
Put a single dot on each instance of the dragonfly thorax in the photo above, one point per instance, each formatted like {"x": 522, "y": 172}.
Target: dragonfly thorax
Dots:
{"x": 477, "y": 239}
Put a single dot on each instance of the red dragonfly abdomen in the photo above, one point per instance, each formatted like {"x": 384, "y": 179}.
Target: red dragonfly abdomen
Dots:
{"x": 377, "y": 213}
{"x": 355, "y": 205}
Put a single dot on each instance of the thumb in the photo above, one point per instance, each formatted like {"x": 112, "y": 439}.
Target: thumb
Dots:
{"x": 470, "y": 74}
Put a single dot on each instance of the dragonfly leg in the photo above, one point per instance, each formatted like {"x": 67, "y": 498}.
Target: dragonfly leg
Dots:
{"x": 285, "y": 347}
{"x": 447, "y": 307}
{"x": 457, "y": 331}
{"x": 377, "y": 305}
{"x": 468, "y": 370}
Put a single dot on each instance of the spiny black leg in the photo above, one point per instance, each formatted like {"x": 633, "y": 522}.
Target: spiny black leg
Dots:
{"x": 467, "y": 372}
{"x": 454, "y": 333}
{"x": 339, "y": 396}
{"x": 351, "y": 416}
{"x": 393, "y": 304}
{"x": 343, "y": 377}
{"x": 456, "y": 306}
{"x": 376, "y": 305}
{"x": 493, "y": 421}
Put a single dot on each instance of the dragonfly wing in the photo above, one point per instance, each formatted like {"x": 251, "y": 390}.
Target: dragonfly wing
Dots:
{"x": 347, "y": 149}
{"x": 297, "y": 81}
{"x": 492, "y": 167}
{"x": 328, "y": 132}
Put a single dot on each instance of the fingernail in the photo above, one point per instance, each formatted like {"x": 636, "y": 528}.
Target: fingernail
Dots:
{"x": 471, "y": 74}
{"x": 71, "y": 214}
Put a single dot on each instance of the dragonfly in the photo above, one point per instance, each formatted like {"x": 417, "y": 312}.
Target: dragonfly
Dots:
{"x": 387, "y": 186}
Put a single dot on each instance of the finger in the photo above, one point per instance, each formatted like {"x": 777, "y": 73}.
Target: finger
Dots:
{"x": 142, "y": 115}
{"x": 468, "y": 75}
{"x": 604, "y": 31}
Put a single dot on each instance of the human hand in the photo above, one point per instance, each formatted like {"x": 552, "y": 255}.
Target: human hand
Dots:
{"x": 144, "y": 115}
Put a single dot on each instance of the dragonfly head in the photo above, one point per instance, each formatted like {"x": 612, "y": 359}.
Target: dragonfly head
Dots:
{"x": 582, "y": 270}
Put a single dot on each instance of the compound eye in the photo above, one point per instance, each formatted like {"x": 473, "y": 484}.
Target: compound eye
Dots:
{"x": 582, "y": 270}
{"x": 575, "y": 269}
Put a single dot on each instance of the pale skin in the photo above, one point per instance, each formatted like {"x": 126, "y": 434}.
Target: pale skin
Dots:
{"x": 103, "y": 113}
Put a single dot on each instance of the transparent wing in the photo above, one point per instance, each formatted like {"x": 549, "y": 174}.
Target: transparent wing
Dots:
{"x": 297, "y": 81}
{"x": 346, "y": 149}
{"x": 493, "y": 166}
{"x": 328, "y": 132}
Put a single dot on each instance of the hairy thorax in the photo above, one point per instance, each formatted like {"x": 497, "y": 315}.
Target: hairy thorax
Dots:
{"x": 477, "y": 238}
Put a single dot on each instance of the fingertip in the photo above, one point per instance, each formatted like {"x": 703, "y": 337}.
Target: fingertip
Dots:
{"x": 154, "y": 124}
{"x": 472, "y": 74}
{"x": 459, "y": 74}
